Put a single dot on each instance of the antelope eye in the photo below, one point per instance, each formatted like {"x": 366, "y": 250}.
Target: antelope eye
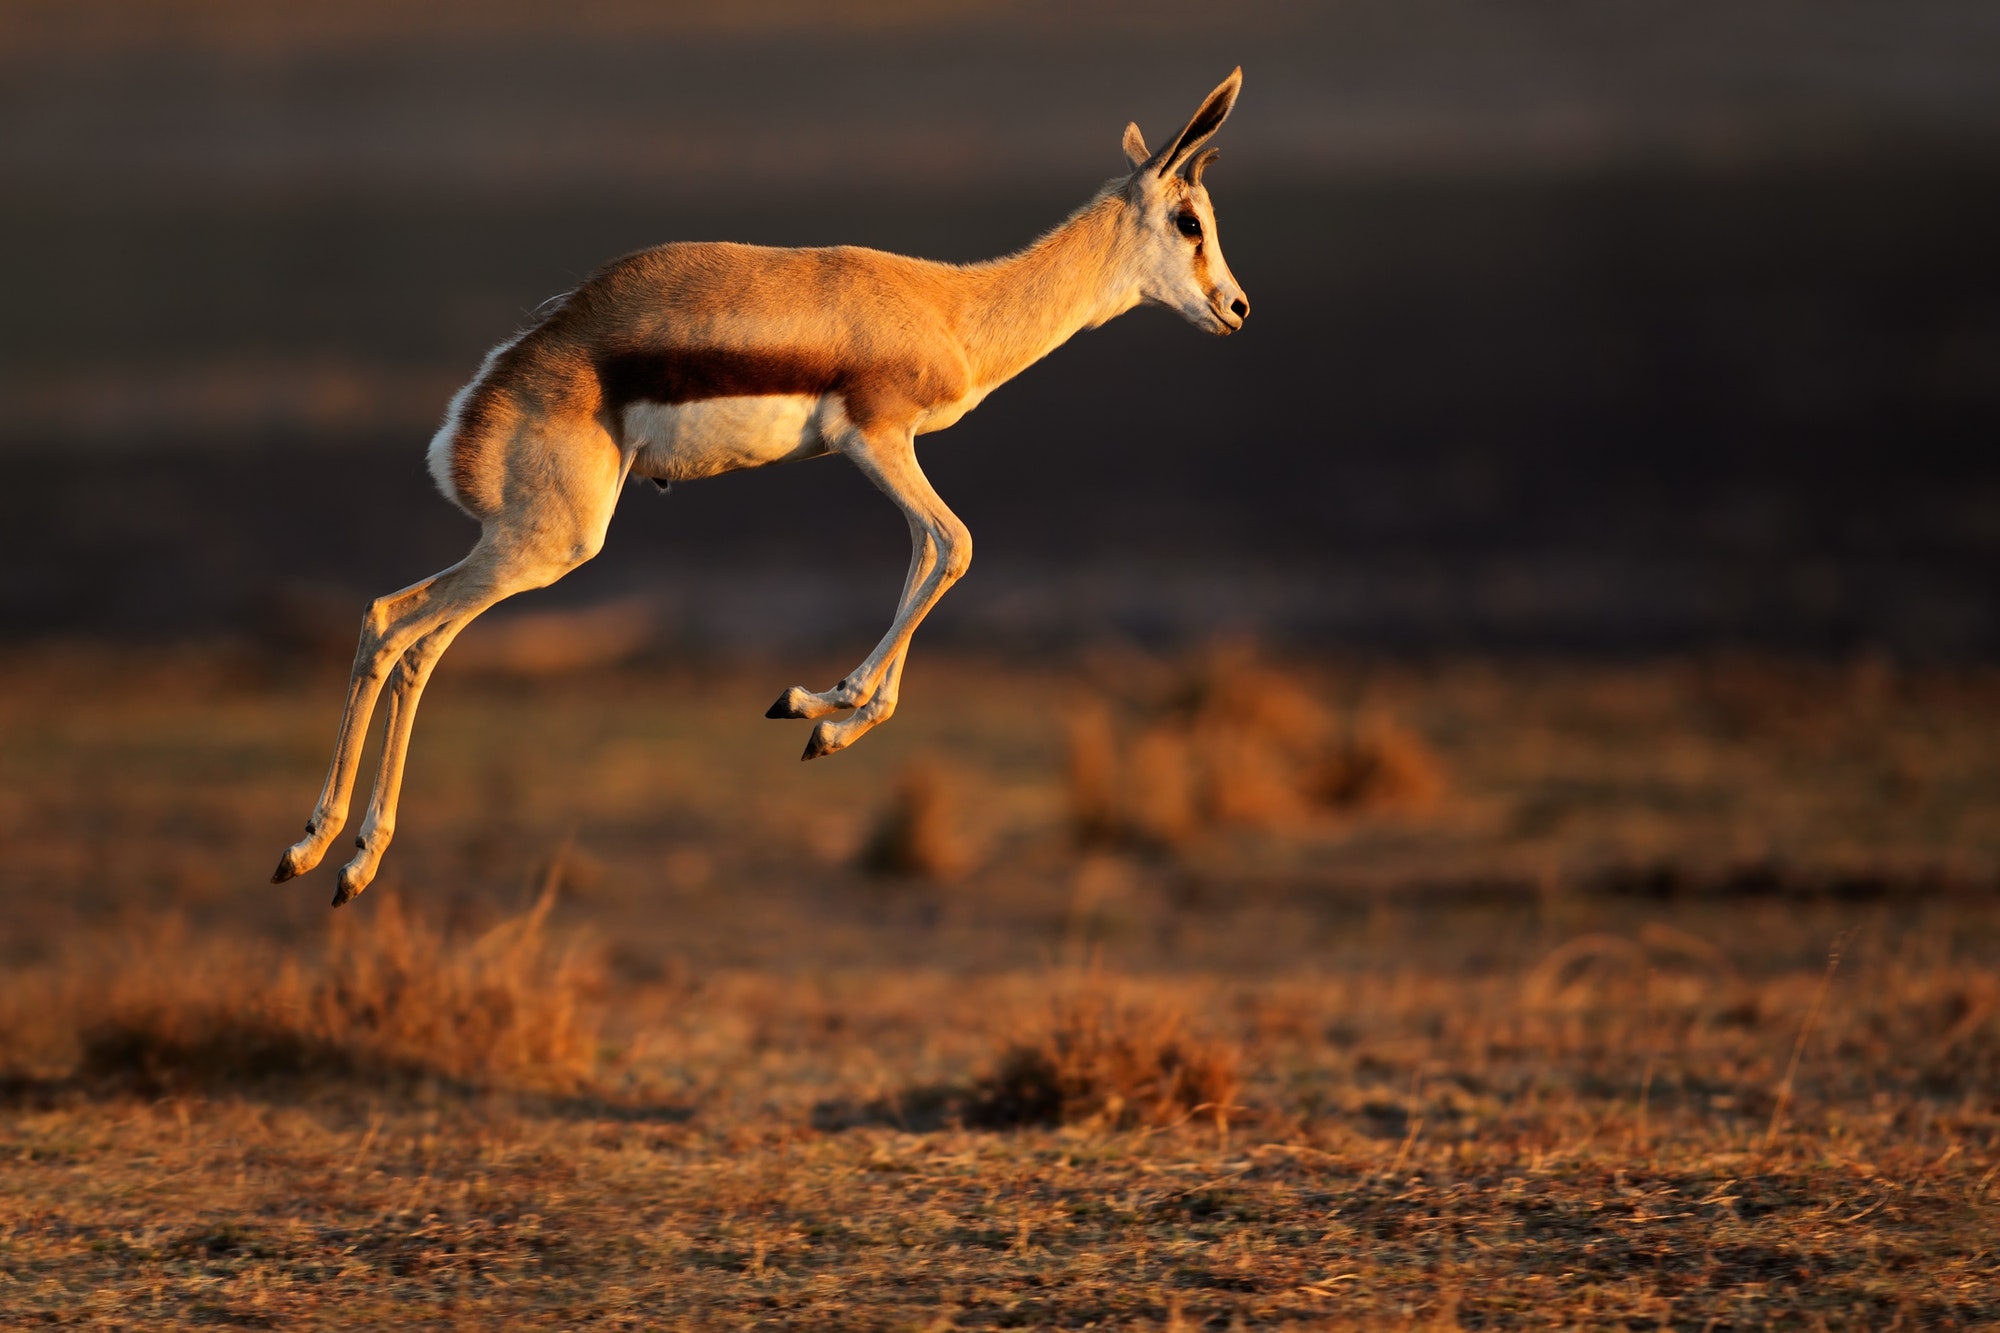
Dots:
{"x": 1187, "y": 224}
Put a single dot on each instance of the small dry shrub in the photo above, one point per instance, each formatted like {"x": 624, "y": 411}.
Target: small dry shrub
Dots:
{"x": 506, "y": 1004}
{"x": 1162, "y": 791}
{"x": 392, "y": 996}
{"x": 1092, "y": 771}
{"x": 1117, "y": 1065}
{"x": 1234, "y": 743}
{"x": 921, "y": 835}
{"x": 1378, "y": 765}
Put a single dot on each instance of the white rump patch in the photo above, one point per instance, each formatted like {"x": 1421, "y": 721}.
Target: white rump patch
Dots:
{"x": 438, "y": 456}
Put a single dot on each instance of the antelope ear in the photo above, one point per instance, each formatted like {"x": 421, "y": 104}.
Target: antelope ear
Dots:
{"x": 1206, "y": 122}
{"x": 1135, "y": 146}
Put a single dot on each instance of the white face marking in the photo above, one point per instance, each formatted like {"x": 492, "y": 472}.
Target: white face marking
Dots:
{"x": 1185, "y": 273}
{"x": 683, "y": 441}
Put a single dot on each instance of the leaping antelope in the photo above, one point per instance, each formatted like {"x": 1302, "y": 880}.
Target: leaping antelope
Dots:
{"x": 690, "y": 360}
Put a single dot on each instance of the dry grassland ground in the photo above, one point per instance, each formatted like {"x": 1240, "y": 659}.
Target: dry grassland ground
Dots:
{"x": 1125, "y": 995}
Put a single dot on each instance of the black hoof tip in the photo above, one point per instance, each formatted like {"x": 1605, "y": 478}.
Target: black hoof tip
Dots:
{"x": 787, "y": 705}
{"x": 284, "y": 870}
{"x": 349, "y": 886}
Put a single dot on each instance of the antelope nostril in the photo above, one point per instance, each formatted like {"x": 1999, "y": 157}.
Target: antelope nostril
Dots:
{"x": 1241, "y": 308}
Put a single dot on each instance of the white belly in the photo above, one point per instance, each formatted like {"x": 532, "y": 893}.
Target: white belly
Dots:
{"x": 683, "y": 441}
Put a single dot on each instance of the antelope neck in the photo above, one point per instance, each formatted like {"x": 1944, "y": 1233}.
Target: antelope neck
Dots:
{"x": 1023, "y": 306}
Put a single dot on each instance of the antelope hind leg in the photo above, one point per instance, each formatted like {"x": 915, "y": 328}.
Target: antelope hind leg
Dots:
{"x": 392, "y": 624}
{"x": 413, "y": 672}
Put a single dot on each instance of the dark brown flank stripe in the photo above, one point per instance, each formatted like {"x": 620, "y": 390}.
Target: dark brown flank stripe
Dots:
{"x": 688, "y": 375}
{"x": 869, "y": 392}
{"x": 684, "y": 375}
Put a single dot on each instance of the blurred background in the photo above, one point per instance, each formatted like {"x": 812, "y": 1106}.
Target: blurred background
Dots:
{"x": 1580, "y": 327}
{"x": 1599, "y": 507}
{"x": 1489, "y": 693}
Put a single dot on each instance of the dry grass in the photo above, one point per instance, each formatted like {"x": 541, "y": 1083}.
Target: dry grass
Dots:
{"x": 922, "y": 832}
{"x": 1112, "y": 1063}
{"x": 1378, "y": 765}
{"x": 1438, "y": 1149}
{"x": 160, "y": 1009}
{"x": 1228, "y": 742}
{"x": 1562, "y": 1050}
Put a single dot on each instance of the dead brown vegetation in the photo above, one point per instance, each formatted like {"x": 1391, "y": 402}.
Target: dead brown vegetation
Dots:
{"x": 1228, "y": 742}
{"x": 1494, "y": 1077}
{"x": 161, "y": 1009}
{"x": 1378, "y": 764}
{"x": 1564, "y": 1142}
{"x": 1110, "y": 1062}
{"x": 921, "y": 834}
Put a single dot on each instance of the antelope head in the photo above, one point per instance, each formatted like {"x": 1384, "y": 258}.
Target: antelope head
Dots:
{"x": 1176, "y": 247}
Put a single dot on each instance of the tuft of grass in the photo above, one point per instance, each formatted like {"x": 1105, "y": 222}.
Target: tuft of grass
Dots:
{"x": 1378, "y": 765}
{"x": 921, "y": 834}
{"x": 1233, "y": 743}
{"x": 1091, "y": 772}
{"x": 392, "y": 997}
{"x": 1117, "y": 1065}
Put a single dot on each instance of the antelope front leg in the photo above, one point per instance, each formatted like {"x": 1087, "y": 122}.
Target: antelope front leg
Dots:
{"x": 940, "y": 552}
{"x": 857, "y": 689}
{"x": 830, "y": 736}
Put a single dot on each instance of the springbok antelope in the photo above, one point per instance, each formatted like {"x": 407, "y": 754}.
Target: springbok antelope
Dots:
{"x": 690, "y": 360}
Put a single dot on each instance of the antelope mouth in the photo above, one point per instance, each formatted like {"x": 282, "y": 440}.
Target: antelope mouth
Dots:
{"x": 1228, "y": 318}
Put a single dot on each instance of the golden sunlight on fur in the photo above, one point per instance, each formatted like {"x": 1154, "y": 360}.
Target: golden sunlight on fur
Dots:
{"x": 692, "y": 359}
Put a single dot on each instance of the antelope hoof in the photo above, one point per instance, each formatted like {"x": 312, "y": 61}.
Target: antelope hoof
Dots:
{"x": 801, "y": 702}
{"x": 792, "y": 703}
{"x": 355, "y": 877}
{"x": 820, "y": 742}
{"x": 298, "y": 858}
{"x": 352, "y": 881}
